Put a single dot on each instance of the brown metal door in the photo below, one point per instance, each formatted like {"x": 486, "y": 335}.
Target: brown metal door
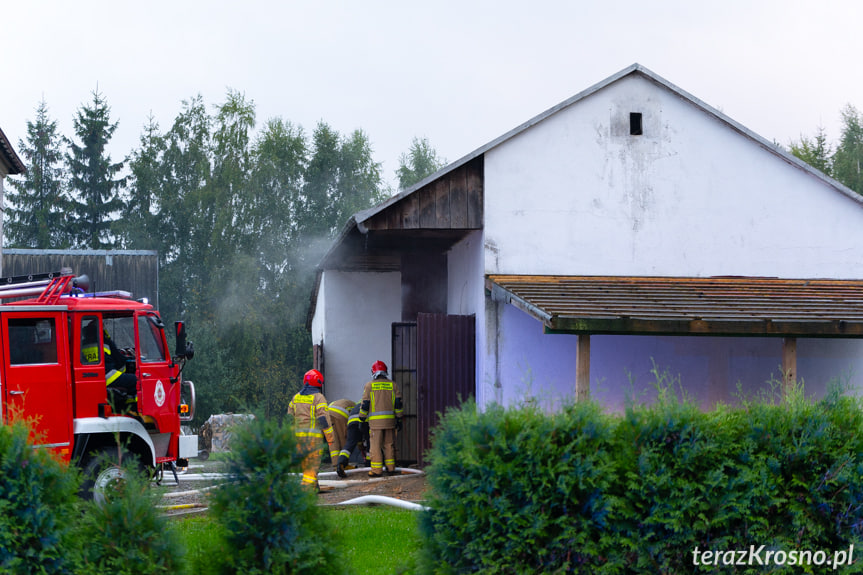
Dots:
{"x": 404, "y": 372}
{"x": 446, "y": 369}
{"x": 434, "y": 363}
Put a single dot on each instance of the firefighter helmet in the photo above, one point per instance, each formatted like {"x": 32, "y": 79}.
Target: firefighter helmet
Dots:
{"x": 313, "y": 377}
{"x": 379, "y": 368}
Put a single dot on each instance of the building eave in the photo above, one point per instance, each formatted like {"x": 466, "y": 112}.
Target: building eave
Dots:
{"x": 14, "y": 165}
{"x": 713, "y": 306}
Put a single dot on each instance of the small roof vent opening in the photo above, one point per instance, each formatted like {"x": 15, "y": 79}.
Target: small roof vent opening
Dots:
{"x": 635, "y": 128}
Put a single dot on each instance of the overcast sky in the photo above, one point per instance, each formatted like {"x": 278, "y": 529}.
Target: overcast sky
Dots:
{"x": 460, "y": 73}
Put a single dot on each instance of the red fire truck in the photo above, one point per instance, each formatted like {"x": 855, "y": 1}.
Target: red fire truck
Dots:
{"x": 53, "y": 374}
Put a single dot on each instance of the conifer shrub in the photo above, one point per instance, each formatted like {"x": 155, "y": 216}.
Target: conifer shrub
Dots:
{"x": 517, "y": 490}
{"x": 38, "y": 497}
{"x": 812, "y": 456}
{"x": 271, "y": 523}
{"x": 679, "y": 483}
{"x": 126, "y": 533}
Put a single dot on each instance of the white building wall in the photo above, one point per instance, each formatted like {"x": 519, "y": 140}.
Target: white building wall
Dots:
{"x": 577, "y": 195}
{"x": 466, "y": 294}
{"x": 465, "y": 282}
{"x": 356, "y": 312}
{"x": 319, "y": 322}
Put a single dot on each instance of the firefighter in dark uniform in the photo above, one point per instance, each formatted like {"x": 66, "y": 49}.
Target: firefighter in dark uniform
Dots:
{"x": 337, "y": 415}
{"x": 309, "y": 408}
{"x": 357, "y": 435}
{"x": 382, "y": 407}
{"x": 122, "y": 387}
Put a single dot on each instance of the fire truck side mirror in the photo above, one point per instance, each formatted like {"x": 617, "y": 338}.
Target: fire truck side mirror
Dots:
{"x": 182, "y": 350}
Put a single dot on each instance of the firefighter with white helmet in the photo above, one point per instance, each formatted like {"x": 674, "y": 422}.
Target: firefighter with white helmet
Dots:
{"x": 382, "y": 407}
{"x": 309, "y": 408}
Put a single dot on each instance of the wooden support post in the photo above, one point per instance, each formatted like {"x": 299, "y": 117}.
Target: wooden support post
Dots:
{"x": 582, "y": 369}
{"x": 789, "y": 364}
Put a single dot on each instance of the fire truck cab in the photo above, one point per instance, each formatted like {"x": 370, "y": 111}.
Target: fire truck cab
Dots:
{"x": 53, "y": 353}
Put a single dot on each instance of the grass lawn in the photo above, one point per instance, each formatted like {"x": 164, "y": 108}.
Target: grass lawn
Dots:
{"x": 380, "y": 539}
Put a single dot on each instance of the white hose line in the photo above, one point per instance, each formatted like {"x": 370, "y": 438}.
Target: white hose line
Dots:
{"x": 382, "y": 500}
{"x": 192, "y": 492}
{"x": 202, "y": 476}
{"x": 402, "y": 470}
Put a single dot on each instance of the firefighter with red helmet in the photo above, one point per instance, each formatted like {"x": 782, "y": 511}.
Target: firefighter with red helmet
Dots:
{"x": 309, "y": 408}
{"x": 382, "y": 407}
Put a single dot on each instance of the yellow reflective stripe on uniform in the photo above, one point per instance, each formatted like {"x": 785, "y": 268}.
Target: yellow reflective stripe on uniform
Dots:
{"x": 112, "y": 376}
{"x": 309, "y": 433}
{"x": 382, "y": 415}
{"x": 353, "y": 419}
{"x": 337, "y": 409}
{"x": 90, "y": 353}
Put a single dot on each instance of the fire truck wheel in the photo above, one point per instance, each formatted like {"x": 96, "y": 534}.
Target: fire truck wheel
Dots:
{"x": 103, "y": 473}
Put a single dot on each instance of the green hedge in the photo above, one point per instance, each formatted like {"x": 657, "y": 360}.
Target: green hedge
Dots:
{"x": 578, "y": 491}
{"x": 38, "y": 497}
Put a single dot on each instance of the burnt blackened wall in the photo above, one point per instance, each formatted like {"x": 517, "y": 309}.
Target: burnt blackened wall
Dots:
{"x": 424, "y": 284}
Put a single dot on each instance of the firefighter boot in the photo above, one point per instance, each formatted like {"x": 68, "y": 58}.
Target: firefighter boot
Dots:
{"x": 340, "y": 466}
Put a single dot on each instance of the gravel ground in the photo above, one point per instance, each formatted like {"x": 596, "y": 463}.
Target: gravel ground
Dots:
{"x": 190, "y": 495}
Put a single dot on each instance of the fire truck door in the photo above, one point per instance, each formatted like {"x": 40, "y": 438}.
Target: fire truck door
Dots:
{"x": 36, "y": 368}
{"x": 157, "y": 396}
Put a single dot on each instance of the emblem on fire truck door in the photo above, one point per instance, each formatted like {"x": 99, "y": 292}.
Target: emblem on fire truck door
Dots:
{"x": 159, "y": 395}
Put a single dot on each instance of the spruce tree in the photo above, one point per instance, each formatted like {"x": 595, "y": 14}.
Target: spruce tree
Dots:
{"x": 815, "y": 151}
{"x": 36, "y": 201}
{"x": 848, "y": 157}
{"x": 95, "y": 179}
{"x": 138, "y": 228}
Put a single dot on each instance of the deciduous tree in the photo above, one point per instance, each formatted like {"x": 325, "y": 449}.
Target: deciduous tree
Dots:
{"x": 420, "y": 161}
